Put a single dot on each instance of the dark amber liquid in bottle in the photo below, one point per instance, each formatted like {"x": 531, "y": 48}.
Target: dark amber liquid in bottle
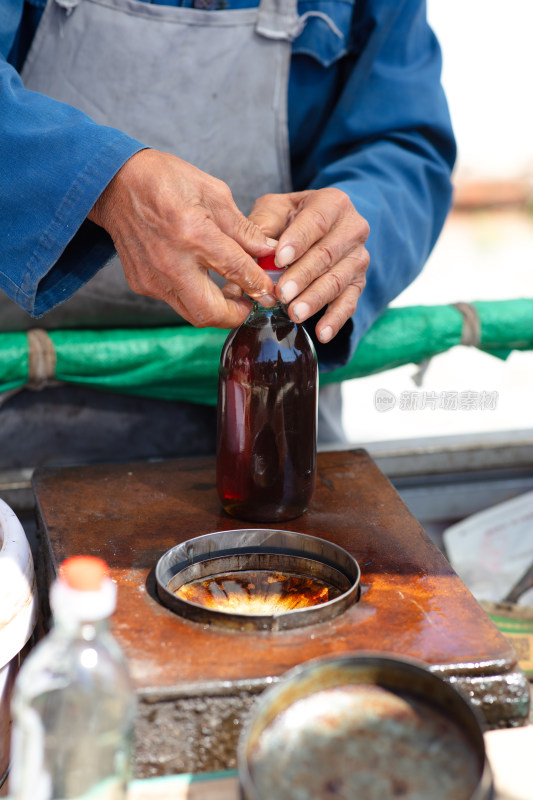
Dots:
{"x": 267, "y": 410}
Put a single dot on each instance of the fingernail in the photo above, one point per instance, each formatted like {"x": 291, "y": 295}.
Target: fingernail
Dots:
{"x": 301, "y": 311}
{"x": 285, "y": 256}
{"x": 268, "y": 300}
{"x": 326, "y": 334}
{"x": 288, "y": 292}
{"x": 272, "y": 242}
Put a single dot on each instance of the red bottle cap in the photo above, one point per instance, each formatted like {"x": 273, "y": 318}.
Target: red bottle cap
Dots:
{"x": 84, "y": 573}
{"x": 83, "y": 590}
{"x": 269, "y": 265}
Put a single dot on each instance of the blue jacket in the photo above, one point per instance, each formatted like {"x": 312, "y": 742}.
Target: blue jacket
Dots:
{"x": 367, "y": 114}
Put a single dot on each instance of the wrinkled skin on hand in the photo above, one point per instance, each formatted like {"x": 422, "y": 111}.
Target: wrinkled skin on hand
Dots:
{"x": 171, "y": 223}
{"x": 321, "y": 241}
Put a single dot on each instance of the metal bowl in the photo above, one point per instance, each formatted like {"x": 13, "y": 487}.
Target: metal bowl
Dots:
{"x": 366, "y": 725}
{"x": 238, "y": 551}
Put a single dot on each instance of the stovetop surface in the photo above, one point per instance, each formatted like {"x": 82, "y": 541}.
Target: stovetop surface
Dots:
{"x": 412, "y": 603}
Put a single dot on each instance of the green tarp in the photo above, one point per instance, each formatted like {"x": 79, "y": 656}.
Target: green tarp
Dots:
{"x": 182, "y": 363}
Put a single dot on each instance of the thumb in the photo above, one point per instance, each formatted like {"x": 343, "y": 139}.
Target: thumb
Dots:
{"x": 245, "y": 232}
{"x": 271, "y": 214}
{"x": 254, "y": 241}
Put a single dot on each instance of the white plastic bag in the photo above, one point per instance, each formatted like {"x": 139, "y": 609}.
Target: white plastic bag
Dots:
{"x": 491, "y": 550}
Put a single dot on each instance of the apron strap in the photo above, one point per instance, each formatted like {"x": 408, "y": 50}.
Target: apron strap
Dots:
{"x": 278, "y": 19}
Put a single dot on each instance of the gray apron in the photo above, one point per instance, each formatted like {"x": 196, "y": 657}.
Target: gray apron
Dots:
{"x": 182, "y": 80}
{"x": 185, "y": 81}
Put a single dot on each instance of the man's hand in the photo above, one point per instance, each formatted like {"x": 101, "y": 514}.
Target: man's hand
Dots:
{"x": 321, "y": 239}
{"x": 171, "y": 223}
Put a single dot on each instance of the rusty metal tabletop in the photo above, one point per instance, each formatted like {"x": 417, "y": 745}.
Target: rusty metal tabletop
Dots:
{"x": 412, "y": 603}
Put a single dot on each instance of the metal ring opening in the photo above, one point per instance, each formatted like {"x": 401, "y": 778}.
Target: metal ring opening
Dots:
{"x": 230, "y": 553}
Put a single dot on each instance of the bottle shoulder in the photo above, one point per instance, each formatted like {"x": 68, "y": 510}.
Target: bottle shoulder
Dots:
{"x": 269, "y": 328}
{"x": 57, "y": 661}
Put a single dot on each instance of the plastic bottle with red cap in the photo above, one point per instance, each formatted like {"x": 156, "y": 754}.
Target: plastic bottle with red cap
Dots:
{"x": 73, "y": 705}
{"x": 267, "y": 416}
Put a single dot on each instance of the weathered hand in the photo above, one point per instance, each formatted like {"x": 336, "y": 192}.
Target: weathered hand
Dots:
{"x": 321, "y": 236}
{"x": 171, "y": 223}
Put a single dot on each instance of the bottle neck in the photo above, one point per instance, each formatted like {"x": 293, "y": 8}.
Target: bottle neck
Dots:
{"x": 274, "y": 309}
{"x": 83, "y": 629}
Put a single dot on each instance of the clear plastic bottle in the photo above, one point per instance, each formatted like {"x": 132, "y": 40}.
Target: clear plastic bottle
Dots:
{"x": 267, "y": 416}
{"x": 73, "y": 705}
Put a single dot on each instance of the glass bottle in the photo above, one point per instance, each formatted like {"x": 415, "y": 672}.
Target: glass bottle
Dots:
{"x": 267, "y": 416}
{"x": 73, "y": 704}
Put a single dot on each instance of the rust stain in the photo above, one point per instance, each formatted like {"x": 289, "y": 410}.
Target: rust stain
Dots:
{"x": 412, "y": 603}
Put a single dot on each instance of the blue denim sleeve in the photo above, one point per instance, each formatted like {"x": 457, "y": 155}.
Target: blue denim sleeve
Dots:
{"x": 385, "y": 139}
{"x": 388, "y": 144}
{"x": 55, "y": 164}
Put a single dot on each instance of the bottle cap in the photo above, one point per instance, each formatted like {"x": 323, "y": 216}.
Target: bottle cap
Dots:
{"x": 83, "y": 590}
{"x": 269, "y": 265}
{"x": 84, "y": 573}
